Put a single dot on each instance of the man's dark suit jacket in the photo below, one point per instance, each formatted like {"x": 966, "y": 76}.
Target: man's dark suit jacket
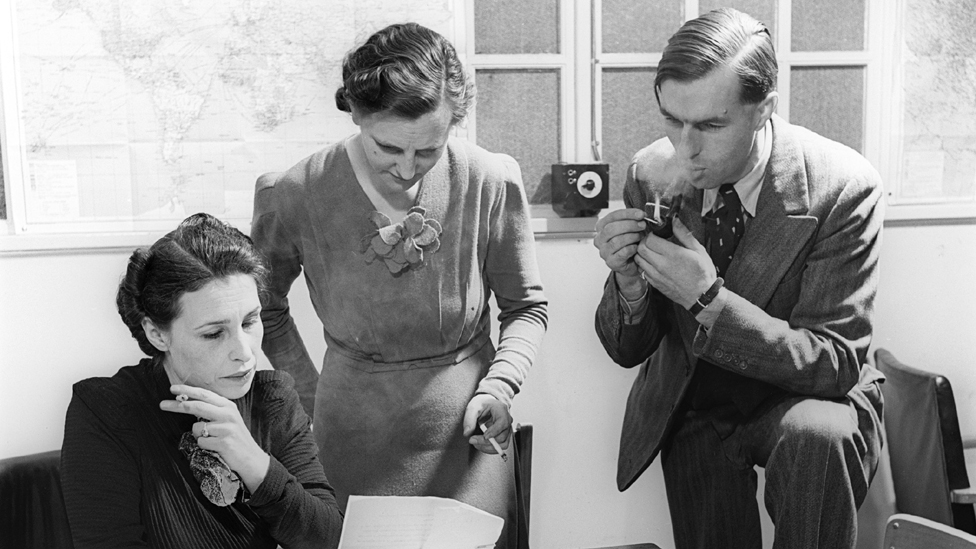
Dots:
{"x": 802, "y": 281}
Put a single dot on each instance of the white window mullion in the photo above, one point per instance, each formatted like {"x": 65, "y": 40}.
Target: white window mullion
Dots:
{"x": 520, "y": 60}
{"x": 464, "y": 45}
{"x": 630, "y": 60}
{"x": 14, "y": 151}
{"x": 592, "y": 147}
{"x": 828, "y": 58}
{"x": 873, "y": 84}
{"x": 572, "y": 94}
{"x": 784, "y": 34}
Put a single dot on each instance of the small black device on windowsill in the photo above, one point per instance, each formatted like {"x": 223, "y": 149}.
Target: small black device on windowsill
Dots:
{"x": 580, "y": 190}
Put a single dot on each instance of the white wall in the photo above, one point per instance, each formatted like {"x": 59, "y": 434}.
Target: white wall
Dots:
{"x": 58, "y": 324}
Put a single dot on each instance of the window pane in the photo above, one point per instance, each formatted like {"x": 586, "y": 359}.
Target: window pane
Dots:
{"x": 829, "y": 101}
{"x": 833, "y": 25}
{"x": 631, "y": 120}
{"x": 763, "y": 11}
{"x": 938, "y": 52}
{"x": 636, "y": 26}
{"x": 518, "y": 114}
{"x": 516, "y": 26}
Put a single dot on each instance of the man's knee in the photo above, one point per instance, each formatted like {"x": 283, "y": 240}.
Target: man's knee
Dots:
{"x": 820, "y": 424}
{"x": 821, "y": 437}
{"x": 821, "y": 431}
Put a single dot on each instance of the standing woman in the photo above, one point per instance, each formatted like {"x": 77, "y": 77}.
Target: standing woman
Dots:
{"x": 403, "y": 233}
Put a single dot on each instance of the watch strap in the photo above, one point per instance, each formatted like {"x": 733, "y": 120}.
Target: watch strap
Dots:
{"x": 706, "y": 298}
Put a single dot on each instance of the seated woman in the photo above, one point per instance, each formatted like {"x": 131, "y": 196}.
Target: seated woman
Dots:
{"x": 194, "y": 447}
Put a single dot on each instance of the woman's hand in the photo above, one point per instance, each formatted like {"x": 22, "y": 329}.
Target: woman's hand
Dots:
{"x": 496, "y": 417}
{"x": 222, "y": 430}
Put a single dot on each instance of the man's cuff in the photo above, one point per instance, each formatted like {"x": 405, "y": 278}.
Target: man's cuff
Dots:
{"x": 709, "y": 314}
{"x": 634, "y": 310}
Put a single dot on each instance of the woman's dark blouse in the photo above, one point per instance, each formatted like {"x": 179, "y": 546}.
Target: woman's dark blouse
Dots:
{"x": 126, "y": 484}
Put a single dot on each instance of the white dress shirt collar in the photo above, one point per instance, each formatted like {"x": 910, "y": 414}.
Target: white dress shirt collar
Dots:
{"x": 748, "y": 187}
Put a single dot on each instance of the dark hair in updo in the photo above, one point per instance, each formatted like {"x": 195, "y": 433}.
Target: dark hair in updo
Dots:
{"x": 406, "y": 69}
{"x": 202, "y": 249}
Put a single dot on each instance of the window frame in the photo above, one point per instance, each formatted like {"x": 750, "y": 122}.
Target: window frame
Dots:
{"x": 580, "y": 64}
{"x": 574, "y": 97}
{"x": 582, "y": 121}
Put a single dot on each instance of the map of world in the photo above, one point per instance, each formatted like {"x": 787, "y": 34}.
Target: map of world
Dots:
{"x": 142, "y": 110}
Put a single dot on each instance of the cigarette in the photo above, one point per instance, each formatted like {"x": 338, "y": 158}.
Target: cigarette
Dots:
{"x": 182, "y": 397}
{"x": 494, "y": 443}
{"x": 652, "y": 212}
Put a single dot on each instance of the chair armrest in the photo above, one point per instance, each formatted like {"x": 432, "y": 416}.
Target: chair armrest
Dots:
{"x": 964, "y": 495}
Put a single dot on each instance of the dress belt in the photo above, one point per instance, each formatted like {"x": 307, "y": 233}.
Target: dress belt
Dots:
{"x": 375, "y": 362}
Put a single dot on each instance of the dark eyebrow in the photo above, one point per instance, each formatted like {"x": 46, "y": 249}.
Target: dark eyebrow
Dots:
{"x": 713, "y": 119}
{"x": 387, "y": 145}
{"x": 254, "y": 312}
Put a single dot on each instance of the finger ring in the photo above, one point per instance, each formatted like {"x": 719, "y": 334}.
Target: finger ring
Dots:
{"x": 642, "y": 276}
{"x": 204, "y": 433}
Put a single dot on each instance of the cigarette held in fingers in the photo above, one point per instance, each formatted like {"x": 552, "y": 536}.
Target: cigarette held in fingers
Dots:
{"x": 182, "y": 397}
{"x": 494, "y": 443}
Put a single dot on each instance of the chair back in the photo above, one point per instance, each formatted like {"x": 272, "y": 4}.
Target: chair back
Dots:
{"x": 523, "y": 487}
{"x": 924, "y": 443}
{"x": 911, "y": 532}
{"x": 523, "y": 480}
{"x": 32, "y": 513}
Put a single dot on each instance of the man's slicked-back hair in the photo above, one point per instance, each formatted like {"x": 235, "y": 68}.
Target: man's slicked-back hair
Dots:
{"x": 722, "y": 37}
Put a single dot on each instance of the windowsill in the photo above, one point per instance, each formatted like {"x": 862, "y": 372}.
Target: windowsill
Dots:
{"x": 547, "y": 224}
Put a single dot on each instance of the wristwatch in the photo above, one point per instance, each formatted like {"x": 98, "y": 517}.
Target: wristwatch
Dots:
{"x": 706, "y": 298}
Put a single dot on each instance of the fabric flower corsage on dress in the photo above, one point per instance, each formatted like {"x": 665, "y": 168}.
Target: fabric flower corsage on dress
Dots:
{"x": 402, "y": 245}
{"x": 217, "y": 481}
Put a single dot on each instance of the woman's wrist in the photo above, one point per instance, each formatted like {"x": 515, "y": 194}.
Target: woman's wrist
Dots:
{"x": 256, "y": 472}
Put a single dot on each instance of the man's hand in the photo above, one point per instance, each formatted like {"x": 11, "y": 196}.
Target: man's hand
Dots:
{"x": 681, "y": 271}
{"x": 617, "y": 236}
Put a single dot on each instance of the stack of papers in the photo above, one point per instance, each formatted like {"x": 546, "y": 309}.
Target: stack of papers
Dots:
{"x": 402, "y": 522}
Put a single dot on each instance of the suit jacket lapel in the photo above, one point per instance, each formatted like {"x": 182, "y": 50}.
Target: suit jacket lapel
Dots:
{"x": 781, "y": 227}
{"x": 773, "y": 238}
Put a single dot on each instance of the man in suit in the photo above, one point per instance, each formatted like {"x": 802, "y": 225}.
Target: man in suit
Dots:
{"x": 752, "y": 322}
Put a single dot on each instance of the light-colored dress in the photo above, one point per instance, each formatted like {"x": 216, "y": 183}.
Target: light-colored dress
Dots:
{"x": 405, "y": 312}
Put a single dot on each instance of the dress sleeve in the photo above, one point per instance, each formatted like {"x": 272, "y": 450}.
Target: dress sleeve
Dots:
{"x": 512, "y": 274}
{"x": 280, "y": 245}
{"x": 295, "y": 499}
{"x": 100, "y": 480}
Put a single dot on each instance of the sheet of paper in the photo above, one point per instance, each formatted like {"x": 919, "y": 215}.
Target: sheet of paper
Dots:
{"x": 53, "y": 190}
{"x": 402, "y": 522}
